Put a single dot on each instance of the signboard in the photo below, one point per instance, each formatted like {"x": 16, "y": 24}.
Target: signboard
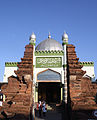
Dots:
{"x": 48, "y": 62}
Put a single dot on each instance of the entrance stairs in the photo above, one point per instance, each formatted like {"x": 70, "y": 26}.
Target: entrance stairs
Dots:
{"x": 54, "y": 112}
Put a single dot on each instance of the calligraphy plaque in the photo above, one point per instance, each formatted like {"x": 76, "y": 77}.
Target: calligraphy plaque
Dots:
{"x": 48, "y": 62}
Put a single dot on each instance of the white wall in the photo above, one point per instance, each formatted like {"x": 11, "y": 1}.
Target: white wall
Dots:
{"x": 9, "y": 71}
{"x": 89, "y": 71}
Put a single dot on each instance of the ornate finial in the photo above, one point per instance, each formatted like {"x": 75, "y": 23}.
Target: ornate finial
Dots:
{"x": 65, "y": 38}
{"x": 49, "y": 35}
{"x": 32, "y": 38}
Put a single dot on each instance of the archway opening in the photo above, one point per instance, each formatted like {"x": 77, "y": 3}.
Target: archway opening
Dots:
{"x": 49, "y": 92}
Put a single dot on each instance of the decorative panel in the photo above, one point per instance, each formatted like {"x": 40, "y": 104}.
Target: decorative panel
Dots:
{"x": 48, "y": 62}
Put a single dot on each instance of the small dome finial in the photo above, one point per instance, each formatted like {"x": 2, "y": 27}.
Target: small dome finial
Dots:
{"x": 65, "y": 37}
{"x": 32, "y": 38}
{"x": 49, "y": 35}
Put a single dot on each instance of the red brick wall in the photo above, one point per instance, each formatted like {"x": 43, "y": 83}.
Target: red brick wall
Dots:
{"x": 81, "y": 89}
{"x": 18, "y": 92}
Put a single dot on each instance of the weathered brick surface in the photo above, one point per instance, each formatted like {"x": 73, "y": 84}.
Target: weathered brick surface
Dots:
{"x": 82, "y": 90}
{"x": 18, "y": 92}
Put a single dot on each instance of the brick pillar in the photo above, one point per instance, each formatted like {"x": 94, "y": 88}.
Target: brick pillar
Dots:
{"x": 80, "y": 88}
{"x": 75, "y": 74}
{"x": 18, "y": 92}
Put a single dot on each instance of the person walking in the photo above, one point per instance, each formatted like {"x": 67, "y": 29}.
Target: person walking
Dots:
{"x": 44, "y": 108}
{"x": 40, "y": 108}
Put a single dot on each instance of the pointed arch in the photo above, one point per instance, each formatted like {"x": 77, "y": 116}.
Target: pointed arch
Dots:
{"x": 48, "y": 76}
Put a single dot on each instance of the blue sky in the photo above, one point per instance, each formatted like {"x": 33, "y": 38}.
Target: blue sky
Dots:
{"x": 19, "y": 18}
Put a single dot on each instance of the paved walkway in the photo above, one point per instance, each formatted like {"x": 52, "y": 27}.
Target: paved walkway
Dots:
{"x": 50, "y": 115}
{"x": 55, "y": 114}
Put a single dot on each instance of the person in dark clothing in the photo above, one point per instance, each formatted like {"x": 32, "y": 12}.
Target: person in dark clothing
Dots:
{"x": 40, "y": 108}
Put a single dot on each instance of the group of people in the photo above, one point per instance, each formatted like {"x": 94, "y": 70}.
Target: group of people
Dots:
{"x": 41, "y": 107}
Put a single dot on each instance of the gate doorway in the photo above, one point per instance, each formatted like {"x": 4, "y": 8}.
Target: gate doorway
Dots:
{"x": 50, "y": 92}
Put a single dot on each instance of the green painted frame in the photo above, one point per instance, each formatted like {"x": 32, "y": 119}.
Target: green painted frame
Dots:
{"x": 48, "y": 62}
